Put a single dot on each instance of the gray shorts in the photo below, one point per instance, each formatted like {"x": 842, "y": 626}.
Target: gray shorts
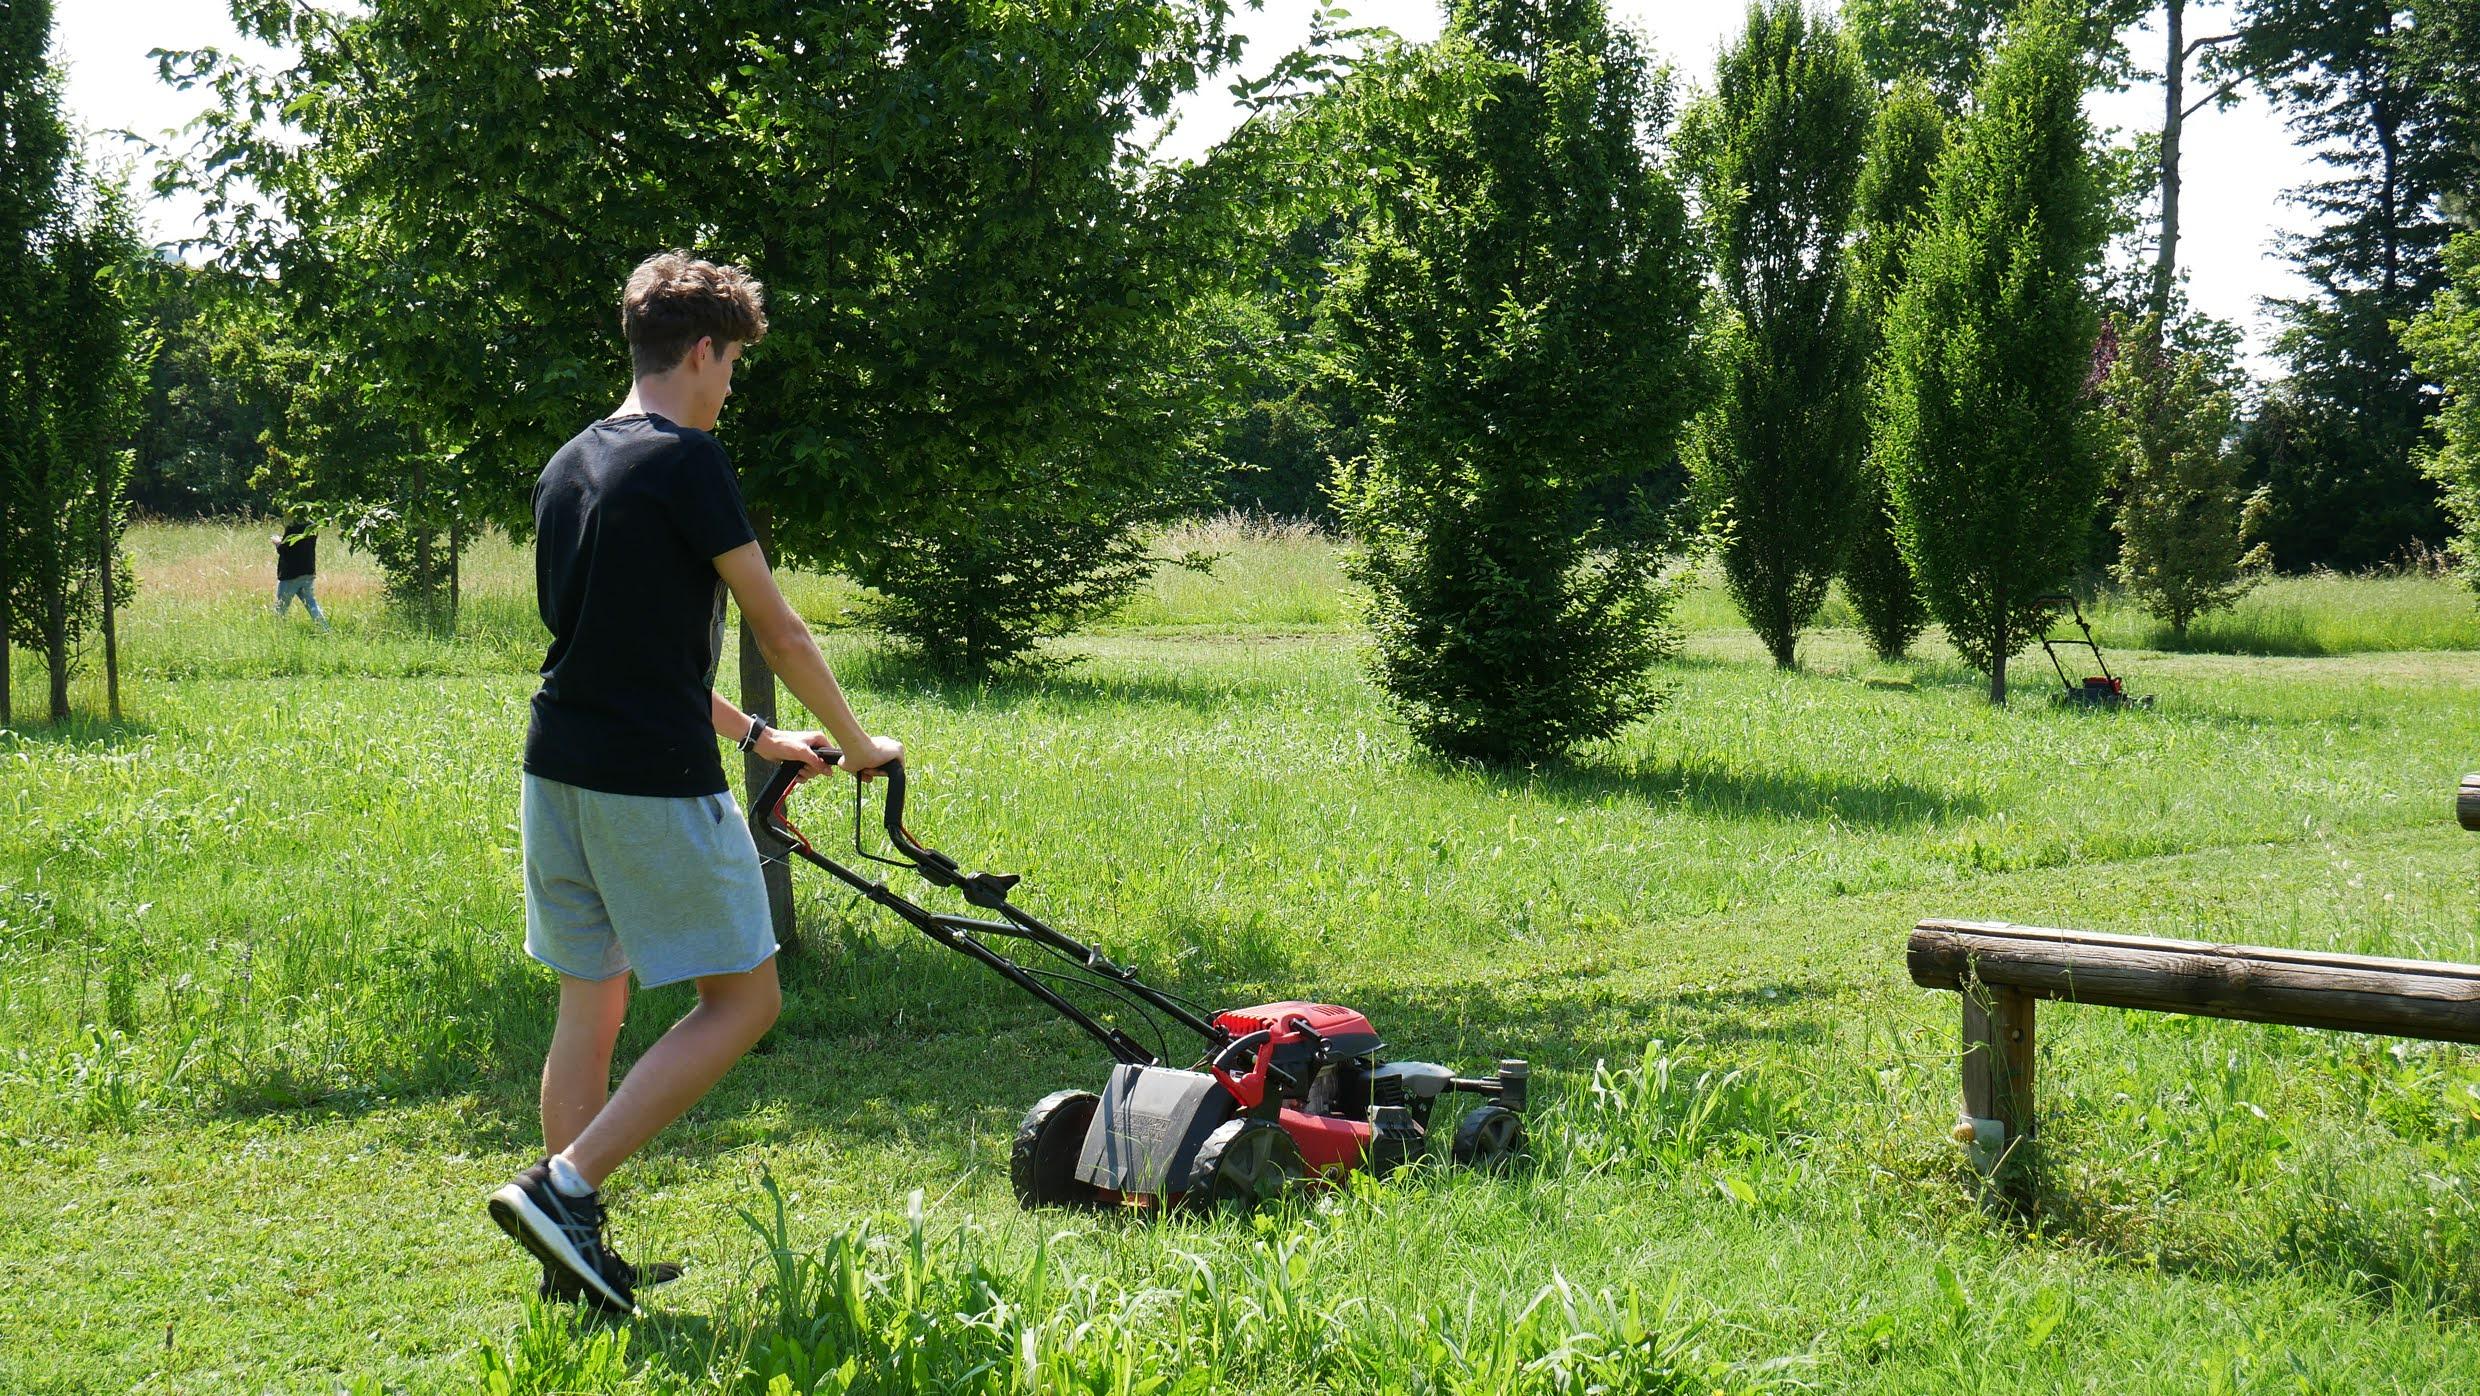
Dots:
{"x": 668, "y": 887}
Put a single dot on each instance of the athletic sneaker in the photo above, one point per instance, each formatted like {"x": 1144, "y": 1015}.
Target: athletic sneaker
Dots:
{"x": 566, "y": 1234}
{"x": 558, "y": 1284}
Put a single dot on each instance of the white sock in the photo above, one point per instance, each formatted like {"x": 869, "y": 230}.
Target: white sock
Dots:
{"x": 567, "y": 1179}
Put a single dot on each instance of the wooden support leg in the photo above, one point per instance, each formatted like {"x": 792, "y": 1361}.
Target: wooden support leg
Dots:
{"x": 1997, "y": 1078}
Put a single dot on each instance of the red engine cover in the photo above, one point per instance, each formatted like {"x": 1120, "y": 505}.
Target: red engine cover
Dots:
{"x": 1328, "y": 1144}
{"x": 1326, "y": 1019}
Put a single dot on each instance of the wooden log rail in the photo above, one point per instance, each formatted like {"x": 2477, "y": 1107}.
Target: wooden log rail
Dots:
{"x": 2467, "y": 802}
{"x": 2001, "y": 970}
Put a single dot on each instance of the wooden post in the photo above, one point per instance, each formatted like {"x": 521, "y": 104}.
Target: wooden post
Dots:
{"x": 1997, "y": 1118}
{"x": 2467, "y": 802}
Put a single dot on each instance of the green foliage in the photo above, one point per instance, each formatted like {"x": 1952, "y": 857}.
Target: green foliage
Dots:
{"x": 1939, "y": 44}
{"x": 947, "y": 205}
{"x": 1893, "y": 200}
{"x": 199, "y": 451}
{"x": 1775, "y": 152}
{"x": 1023, "y": 570}
{"x": 2381, "y": 90}
{"x": 1517, "y": 324}
{"x": 34, "y": 153}
{"x": 1981, "y": 429}
{"x": 2186, "y": 521}
{"x": 83, "y": 363}
{"x": 2444, "y": 341}
{"x": 1944, "y": 44}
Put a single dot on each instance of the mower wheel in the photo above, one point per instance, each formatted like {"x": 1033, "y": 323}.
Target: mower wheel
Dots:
{"x": 1042, "y": 1165}
{"x": 1244, "y": 1162}
{"x": 1489, "y": 1136}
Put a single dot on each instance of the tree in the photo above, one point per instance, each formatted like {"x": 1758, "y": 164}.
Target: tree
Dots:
{"x": 85, "y": 367}
{"x": 34, "y": 149}
{"x": 198, "y": 444}
{"x": 2185, "y": 518}
{"x": 1775, "y": 152}
{"x": 1981, "y": 427}
{"x": 1893, "y": 200}
{"x": 964, "y": 250}
{"x": 2445, "y": 345}
{"x": 1517, "y": 321}
{"x": 2386, "y": 115}
{"x": 1945, "y": 44}
{"x": 976, "y": 596}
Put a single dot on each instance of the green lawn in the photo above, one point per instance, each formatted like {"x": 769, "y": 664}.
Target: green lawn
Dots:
{"x": 267, "y": 1036}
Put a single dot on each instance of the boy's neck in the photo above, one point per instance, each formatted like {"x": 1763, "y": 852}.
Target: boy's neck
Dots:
{"x": 659, "y": 397}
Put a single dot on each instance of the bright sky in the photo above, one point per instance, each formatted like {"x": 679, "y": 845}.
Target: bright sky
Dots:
{"x": 2238, "y": 162}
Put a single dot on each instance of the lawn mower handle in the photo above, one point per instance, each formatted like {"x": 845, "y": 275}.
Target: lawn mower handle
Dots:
{"x": 767, "y": 814}
{"x": 988, "y": 890}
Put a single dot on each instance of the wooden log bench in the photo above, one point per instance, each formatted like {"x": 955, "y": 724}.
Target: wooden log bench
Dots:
{"x": 2001, "y": 970}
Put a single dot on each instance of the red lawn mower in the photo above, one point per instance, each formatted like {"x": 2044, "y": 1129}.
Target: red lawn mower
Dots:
{"x": 1281, "y": 1092}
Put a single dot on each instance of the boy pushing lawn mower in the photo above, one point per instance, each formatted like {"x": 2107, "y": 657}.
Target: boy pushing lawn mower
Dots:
{"x": 635, "y": 857}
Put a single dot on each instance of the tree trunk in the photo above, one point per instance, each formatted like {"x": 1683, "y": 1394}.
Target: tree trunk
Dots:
{"x": 56, "y": 649}
{"x": 8, "y": 622}
{"x": 111, "y": 641}
{"x": 757, "y": 685}
{"x": 456, "y": 560}
{"x": 2173, "y": 127}
{"x": 1997, "y": 665}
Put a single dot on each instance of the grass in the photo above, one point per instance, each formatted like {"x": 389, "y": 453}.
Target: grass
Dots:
{"x": 259, "y": 949}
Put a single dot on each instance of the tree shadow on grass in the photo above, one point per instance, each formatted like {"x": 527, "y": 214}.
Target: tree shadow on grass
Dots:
{"x": 81, "y": 730}
{"x": 1075, "y": 685}
{"x": 1808, "y": 797}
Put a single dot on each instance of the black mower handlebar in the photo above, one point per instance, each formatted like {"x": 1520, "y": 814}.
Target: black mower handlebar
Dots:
{"x": 766, "y": 816}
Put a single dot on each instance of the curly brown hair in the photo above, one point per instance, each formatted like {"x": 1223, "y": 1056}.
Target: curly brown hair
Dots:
{"x": 674, "y": 300}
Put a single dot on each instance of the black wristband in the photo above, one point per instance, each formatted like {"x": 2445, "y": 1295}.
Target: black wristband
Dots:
{"x": 757, "y": 729}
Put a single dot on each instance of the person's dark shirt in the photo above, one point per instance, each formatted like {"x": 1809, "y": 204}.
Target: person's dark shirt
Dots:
{"x": 298, "y": 554}
{"x": 628, "y": 518}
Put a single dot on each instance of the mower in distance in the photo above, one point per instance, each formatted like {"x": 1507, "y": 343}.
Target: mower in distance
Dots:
{"x": 2102, "y": 690}
{"x": 1280, "y": 1092}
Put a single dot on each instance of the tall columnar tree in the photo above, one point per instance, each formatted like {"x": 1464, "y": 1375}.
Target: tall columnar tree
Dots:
{"x": 86, "y": 364}
{"x": 1775, "y": 153}
{"x": 1895, "y": 184}
{"x": 34, "y": 149}
{"x": 1982, "y": 425}
{"x": 2186, "y": 519}
{"x": 2445, "y": 345}
{"x": 1517, "y": 321}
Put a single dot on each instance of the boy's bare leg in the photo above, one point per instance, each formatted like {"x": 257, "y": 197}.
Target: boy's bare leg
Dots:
{"x": 576, "y": 1077}
{"x": 732, "y": 1013}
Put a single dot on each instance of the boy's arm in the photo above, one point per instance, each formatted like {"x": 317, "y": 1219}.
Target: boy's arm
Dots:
{"x": 785, "y": 641}
{"x": 775, "y": 744}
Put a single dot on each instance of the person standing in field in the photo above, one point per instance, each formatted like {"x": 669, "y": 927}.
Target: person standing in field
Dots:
{"x": 297, "y": 569}
{"x": 636, "y": 859}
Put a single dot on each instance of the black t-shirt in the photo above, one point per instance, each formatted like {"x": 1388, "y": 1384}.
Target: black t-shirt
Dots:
{"x": 628, "y": 518}
{"x": 297, "y": 555}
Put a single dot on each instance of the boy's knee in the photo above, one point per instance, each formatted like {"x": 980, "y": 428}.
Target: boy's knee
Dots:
{"x": 766, "y": 1005}
{"x": 754, "y": 999}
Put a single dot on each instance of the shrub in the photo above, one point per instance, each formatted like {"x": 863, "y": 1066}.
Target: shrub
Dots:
{"x": 1517, "y": 323}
